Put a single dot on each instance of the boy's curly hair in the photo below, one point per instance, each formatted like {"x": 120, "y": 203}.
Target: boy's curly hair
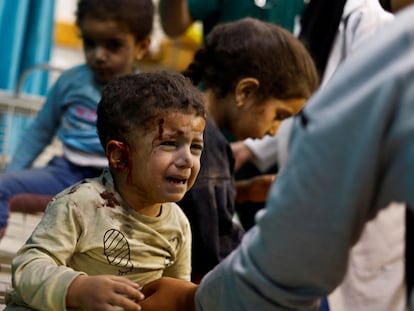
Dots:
{"x": 137, "y": 16}
{"x": 137, "y": 100}
{"x": 252, "y": 48}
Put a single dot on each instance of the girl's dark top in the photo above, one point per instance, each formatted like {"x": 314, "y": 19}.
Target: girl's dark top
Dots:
{"x": 209, "y": 204}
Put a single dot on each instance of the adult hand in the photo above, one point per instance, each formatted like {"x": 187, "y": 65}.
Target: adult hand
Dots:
{"x": 169, "y": 294}
{"x": 103, "y": 292}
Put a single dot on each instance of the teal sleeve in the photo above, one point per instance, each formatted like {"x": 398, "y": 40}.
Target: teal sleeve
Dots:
{"x": 285, "y": 13}
{"x": 201, "y": 9}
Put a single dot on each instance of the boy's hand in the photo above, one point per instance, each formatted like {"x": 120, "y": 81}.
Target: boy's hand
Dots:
{"x": 103, "y": 292}
{"x": 169, "y": 294}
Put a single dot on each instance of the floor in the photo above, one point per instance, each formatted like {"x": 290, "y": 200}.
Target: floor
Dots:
{"x": 19, "y": 229}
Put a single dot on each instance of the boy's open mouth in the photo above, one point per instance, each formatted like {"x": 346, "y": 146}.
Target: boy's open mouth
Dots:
{"x": 177, "y": 180}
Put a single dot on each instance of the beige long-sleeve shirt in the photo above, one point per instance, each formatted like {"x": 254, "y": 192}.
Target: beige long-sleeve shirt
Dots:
{"x": 88, "y": 229}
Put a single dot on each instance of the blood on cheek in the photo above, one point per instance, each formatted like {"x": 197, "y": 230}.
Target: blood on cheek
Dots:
{"x": 126, "y": 160}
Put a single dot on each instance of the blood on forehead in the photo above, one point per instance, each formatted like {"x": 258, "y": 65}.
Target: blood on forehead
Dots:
{"x": 160, "y": 127}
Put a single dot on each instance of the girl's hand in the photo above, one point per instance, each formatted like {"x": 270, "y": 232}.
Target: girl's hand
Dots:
{"x": 254, "y": 189}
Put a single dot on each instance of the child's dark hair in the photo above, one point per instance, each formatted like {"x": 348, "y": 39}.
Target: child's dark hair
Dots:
{"x": 136, "y": 100}
{"x": 136, "y": 16}
{"x": 252, "y": 48}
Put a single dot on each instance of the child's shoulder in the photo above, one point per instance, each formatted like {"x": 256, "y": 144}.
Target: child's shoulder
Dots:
{"x": 75, "y": 77}
{"x": 76, "y": 72}
{"x": 172, "y": 210}
{"x": 86, "y": 190}
{"x": 74, "y": 84}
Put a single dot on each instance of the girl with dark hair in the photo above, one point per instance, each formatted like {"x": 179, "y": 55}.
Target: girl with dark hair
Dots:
{"x": 254, "y": 74}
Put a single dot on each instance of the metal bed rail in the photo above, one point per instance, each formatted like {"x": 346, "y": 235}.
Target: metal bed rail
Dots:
{"x": 17, "y": 110}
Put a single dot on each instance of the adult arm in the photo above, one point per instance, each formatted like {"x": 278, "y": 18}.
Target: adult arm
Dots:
{"x": 175, "y": 16}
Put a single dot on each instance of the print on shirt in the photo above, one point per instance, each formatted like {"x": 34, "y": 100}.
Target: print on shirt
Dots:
{"x": 117, "y": 251}
{"x": 174, "y": 242}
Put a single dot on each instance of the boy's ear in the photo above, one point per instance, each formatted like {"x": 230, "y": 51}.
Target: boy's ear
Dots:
{"x": 246, "y": 89}
{"x": 116, "y": 152}
{"x": 142, "y": 47}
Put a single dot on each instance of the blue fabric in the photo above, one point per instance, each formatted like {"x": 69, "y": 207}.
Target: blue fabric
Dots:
{"x": 324, "y": 305}
{"x": 70, "y": 113}
{"x": 26, "y": 31}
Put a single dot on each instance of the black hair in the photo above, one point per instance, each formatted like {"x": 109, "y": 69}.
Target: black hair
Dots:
{"x": 136, "y": 100}
{"x": 137, "y": 16}
{"x": 252, "y": 48}
{"x": 314, "y": 18}
{"x": 386, "y": 5}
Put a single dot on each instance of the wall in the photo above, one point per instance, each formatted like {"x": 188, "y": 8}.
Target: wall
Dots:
{"x": 164, "y": 52}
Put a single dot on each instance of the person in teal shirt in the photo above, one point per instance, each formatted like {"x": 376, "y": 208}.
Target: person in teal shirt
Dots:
{"x": 176, "y": 16}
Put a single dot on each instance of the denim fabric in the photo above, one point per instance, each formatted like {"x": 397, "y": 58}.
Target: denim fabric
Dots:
{"x": 51, "y": 179}
{"x": 324, "y": 305}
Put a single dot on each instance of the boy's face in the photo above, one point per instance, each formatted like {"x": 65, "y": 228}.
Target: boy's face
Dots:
{"x": 164, "y": 162}
{"x": 110, "y": 51}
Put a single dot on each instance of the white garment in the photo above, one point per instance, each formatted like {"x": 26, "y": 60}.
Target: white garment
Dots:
{"x": 375, "y": 277}
{"x": 83, "y": 158}
{"x": 360, "y": 19}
